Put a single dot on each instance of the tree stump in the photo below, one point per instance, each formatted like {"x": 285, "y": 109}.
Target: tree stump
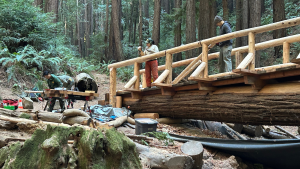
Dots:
{"x": 195, "y": 150}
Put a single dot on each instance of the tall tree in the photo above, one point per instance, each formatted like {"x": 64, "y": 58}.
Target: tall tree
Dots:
{"x": 204, "y": 21}
{"x": 238, "y": 25}
{"x": 88, "y": 25}
{"x": 278, "y": 15}
{"x": 225, "y": 9}
{"x": 156, "y": 22}
{"x": 146, "y": 12}
{"x": 166, "y": 6}
{"x": 38, "y": 3}
{"x": 115, "y": 8}
{"x": 80, "y": 28}
{"x": 245, "y": 20}
{"x": 255, "y": 20}
{"x": 140, "y": 24}
{"x": 230, "y": 6}
{"x": 212, "y": 14}
{"x": 106, "y": 29}
{"x": 190, "y": 26}
{"x": 52, "y": 6}
{"x": 177, "y": 30}
{"x": 131, "y": 21}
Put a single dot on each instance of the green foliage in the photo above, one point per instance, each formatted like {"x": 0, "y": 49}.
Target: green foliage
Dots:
{"x": 161, "y": 136}
{"x": 25, "y": 116}
{"x": 125, "y": 73}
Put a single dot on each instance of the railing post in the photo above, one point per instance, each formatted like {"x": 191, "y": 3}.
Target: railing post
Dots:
{"x": 286, "y": 52}
{"x": 238, "y": 58}
{"x": 113, "y": 86}
{"x": 205, "y": 59}
{"x": 137, "y": 74}
{"x": 251, "y": 42}
{"x": 169, "y": 61}
{"x": 144, "y": 83}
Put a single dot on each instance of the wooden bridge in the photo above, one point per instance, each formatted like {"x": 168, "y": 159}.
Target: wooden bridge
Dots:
{"x": 249, "y": 95}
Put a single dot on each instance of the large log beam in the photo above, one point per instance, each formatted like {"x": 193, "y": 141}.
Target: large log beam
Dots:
{"x": 274, "y": 104}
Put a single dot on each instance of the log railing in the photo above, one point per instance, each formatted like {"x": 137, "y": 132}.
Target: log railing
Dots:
{"x": 200, "y": 63}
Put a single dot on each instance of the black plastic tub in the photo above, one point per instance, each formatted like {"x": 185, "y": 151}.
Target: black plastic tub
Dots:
{"x": 144, "y": 125}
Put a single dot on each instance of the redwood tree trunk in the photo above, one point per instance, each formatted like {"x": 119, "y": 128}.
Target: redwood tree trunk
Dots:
{"x": 146, "y": 12}
{"x": 190, "y": 26}
{"x": 52, "y": 6}
{"x": 116, "y": 27}
{"x": 278, "y": 15}
{"x": 238, "y": 26}
{"x": 38, "y": 3}
{"x": 156, "y": 22}
{"x": 245, "y": 20}
{"x": 177, "y": 32}
{"x": 106, "y": 31}
{"x": 213, "y": 13}
{"x": 225, "y": 10}
{"x": 140, "y": 24}
{"x": 255, "y": 20}
{"x": 204, "y": 21}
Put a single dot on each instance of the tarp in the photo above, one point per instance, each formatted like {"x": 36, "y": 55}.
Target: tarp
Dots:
{"x": 104, "y": 112}
{"x": 276, "y": 153}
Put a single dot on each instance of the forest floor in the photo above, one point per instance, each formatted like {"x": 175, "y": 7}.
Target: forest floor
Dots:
{"x": 212, "y": 158}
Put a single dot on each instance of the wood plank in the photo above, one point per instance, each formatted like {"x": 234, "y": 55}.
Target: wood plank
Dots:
{"x": 245, "y": 72}
{"x": 188, "y": 87}
{"x": 206, "y": 86}
{"x": 167, "y": 91}
{"x": 297, "y": 60}
{"x": 228, "y": 82}
{"x": 161, "y": 84}
{"x": 287, "y": 73}
{"x": 132, "y": 90}
{"x": 136, "y": 95}
{"x": 204, "y": 80}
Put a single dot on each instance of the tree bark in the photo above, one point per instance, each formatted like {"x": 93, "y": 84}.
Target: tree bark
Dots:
{"x": 106, "y": 31}
{"x": 238, "y": 26}
{"x": 255, "y": 20}
{"x": 225, "y": 9}
{"x": 116, "y": 26}
{"x": 278, "y": 15}
{"x": 156, "y": 22}
{"x": 213, "y": 13}
{"x": 177, "y": 31}
{"x": 232, "y": 108}
{"x": 140, "y": 24}
{"x": 131, "y": 21}
{"x": 190, "y": 27}
{"x": 38, "y": 3}
{"x": 52, "y": 6}
{"x": 204, "y": 21}
{"x": 88, "y": 25}
{"x": 166, "y": 6}
{"x": 146, "y": 12}
{"x": 245, "y": 20}
{"x": 230, "y": 7}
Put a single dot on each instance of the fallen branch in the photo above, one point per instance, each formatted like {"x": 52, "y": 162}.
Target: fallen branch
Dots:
{"x": 77, "y": 119}
{"x": 119, "y": 121}
{"x": 74, "y": 112}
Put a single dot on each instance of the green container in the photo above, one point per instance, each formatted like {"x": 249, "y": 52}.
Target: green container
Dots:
{"x": 9, "y": 107}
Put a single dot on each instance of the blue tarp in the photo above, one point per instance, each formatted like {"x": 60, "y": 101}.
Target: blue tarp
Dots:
{"x": 105, "y": 113}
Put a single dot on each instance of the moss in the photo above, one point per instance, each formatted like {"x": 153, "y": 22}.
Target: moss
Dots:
{"x": 3, "y": 155}
{"x": 50, "y": 149}
{"x": 121, "y": 152}
{"x": 25, "y": 116}
{"x": 12, "y": 152}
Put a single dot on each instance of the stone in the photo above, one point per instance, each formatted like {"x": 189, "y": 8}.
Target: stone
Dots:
{"x": 27, "y": 103}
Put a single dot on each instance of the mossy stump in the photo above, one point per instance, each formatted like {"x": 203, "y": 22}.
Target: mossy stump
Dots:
{"x": 49, "y": 149}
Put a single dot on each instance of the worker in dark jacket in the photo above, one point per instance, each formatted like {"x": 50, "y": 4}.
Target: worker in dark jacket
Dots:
{"x": 53, "y": 82}
{"x": 225, "y": 64}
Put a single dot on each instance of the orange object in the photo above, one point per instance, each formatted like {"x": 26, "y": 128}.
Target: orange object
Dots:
{"x": 20, "y": 104}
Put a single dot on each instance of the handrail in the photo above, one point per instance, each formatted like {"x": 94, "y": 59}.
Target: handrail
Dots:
{"x": 242, "y": 49}
{"x": 241, "y": 33}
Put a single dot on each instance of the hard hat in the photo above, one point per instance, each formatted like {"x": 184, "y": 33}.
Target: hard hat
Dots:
{"x": 149, "y": 40}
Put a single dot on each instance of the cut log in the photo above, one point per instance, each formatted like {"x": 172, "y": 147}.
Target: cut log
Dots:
{"x": 119, "y": 102}
{"x": 161, "y": 159}
{"x": 171, "y": 121}
{"x": 195, "y": 150}
{"x": 77, "y": 120}
{"x": 11, "y": 113}
{"x": 288, "y": 133}
{"x": 120, "y": 120}
{"x": 147, "y": 115}
{"x": 258, "y": 131}
{"x": 274, "y": 104}
{"x": 238, "y": 127}
{"x": 50, "y": 117}
{"x": 85, "y": 82}
{"x": 74, "y": 112}
{"x": 16, "y": 120}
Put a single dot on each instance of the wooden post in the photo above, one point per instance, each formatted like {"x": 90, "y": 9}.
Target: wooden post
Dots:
{"x": 251, "y": 42}
{"x": 144, "y": 83}
{"x": 205, "y": 59}
{"x": 119, "y": 102}
{"x": 113, "y": 87}
{"x": 246, "y": 61}
{"x": 162, "y": 77}
{"x": 137, "y": 74}
{"x": 199, "y": 69}
{"x": 238, "y": 58}
{"x": 286, "y": 52}
{"x": 131, "y": 82}
{"x": 169, "y": 61}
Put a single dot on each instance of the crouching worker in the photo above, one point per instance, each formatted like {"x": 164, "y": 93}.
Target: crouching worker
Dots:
{"x": 53, "y": 82}
{"x": 151, "y": 66}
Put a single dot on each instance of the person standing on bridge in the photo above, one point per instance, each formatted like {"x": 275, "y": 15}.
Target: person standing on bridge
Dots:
{"x": 225, "y": 64}
{"x": 151, "y": 66}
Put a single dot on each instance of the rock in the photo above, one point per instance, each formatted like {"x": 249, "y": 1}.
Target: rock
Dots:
{"x": 27, "y": 103}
